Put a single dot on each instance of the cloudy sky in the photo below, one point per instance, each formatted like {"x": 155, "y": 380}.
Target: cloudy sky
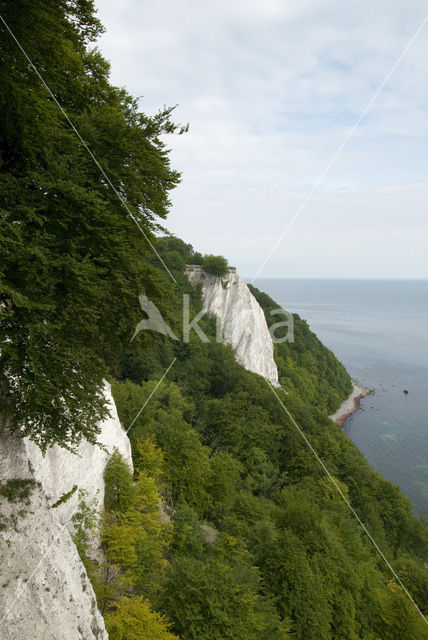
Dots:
{"x": 271, "y": 88}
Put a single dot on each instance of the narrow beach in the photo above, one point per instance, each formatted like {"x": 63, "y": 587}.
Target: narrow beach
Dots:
{"x": 351, "y": 404}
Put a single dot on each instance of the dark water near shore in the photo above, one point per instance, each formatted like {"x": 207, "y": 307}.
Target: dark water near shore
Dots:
{"x": 379, "y": 330}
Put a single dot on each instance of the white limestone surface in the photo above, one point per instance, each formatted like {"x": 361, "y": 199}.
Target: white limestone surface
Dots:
{"x": 241, "y": 318}
{"x": 58, "y": 471}
{"x": 44, "y": 591}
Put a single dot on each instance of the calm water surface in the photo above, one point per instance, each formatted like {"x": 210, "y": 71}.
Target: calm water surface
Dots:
{"x": 379, "y": 330}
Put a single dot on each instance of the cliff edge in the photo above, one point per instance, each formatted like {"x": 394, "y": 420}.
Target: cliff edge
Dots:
{"x": 241, "y": 319}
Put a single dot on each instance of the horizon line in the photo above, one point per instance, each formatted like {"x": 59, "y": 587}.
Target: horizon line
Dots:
{"x": 371, "y": 279}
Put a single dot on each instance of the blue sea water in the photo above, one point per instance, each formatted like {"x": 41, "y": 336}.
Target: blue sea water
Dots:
{"x": 379, "y": 330}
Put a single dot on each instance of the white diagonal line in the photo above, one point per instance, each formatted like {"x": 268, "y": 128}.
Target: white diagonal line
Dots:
{"x": 121, "y": 198}
{"x": 339, "y": 150}
{"x": 150, "y": 396}
{"x": 20, "y": 592}
{"x": 355, "y": 514}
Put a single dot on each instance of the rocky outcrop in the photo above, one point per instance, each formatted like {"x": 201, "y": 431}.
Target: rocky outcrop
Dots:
{"x": 58, "y": 471}
{"x": 241, "y": 319}
{"x": 45, "y": 592}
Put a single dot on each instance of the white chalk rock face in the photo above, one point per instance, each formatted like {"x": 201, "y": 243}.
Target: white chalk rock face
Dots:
{"x": 241, "y": 318}
{"x": 45, "y": 592}
{"x": 58, "y": 471}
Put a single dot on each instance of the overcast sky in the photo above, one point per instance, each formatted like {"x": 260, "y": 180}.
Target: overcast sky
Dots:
{"x": 270, "y": 89}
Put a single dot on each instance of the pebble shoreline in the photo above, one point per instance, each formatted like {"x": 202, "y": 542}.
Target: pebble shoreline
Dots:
{"x": 350, "y": 405}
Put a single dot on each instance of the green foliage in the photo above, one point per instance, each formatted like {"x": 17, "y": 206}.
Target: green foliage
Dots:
{"x": 132, "y": 536}
{"x": 216, "y": 265}
{"x": 119, "y": 494}
{"x": 66, "y": 496}
{"x": 72, "y": 257}
{"x": 17, "y": 489}
{"x": 151, "y": 353}
{"x": 395, "y": 619}
{"x": 85, "y": 519}
{"x": 179, "y": 254}
{"x": 85, "y": 522}
{"x": 215, "y": 599}
{"x": 225, "y": 483}
{"x": 187, "y": 467}
{"x": 133, "y": 619}
{"x": 150, "y": 459}
{"x": 153, "y": 532}
{"x": 188, "y": 535}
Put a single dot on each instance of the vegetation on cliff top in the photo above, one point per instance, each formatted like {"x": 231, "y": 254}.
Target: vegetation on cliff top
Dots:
{"x": 216, "y": 265}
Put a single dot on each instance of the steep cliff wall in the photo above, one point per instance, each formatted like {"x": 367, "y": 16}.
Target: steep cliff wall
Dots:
{"x": 241, "y": 317}
{"x": 45, "y": 592}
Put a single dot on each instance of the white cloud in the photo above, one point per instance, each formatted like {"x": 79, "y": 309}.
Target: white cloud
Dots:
{"x": 270, "y": 90}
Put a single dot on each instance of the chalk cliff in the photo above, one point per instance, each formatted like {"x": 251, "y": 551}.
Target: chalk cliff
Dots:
{"x": 45, "y": 592}
{"x": 58, "y": 471}
{"x": 241, "y": 318}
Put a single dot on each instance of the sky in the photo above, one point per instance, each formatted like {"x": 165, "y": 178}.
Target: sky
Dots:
{"x": 271, "y": 89}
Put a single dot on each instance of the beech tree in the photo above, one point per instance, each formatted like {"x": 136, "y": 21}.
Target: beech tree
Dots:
{"x": 217, "y": 265}
{"x": 132, "y": 619}
{"x": 71, "y": 254}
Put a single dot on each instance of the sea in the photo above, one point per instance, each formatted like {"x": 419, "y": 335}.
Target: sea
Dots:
{"x": 379, "y": 330}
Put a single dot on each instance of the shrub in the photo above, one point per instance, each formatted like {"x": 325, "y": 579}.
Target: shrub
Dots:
{"x": 217, "y": 265}
{"x": 17, "y": 489}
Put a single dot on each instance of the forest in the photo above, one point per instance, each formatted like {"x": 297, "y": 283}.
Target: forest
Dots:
{"x": 228, "y": 527}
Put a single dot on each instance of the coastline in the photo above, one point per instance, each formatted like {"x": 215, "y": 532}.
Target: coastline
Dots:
{"x": 351, "y": 404}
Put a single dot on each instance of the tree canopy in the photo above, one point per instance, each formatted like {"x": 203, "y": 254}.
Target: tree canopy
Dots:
{"x": 72, "y": 257}
{"x": 216, "y": 265}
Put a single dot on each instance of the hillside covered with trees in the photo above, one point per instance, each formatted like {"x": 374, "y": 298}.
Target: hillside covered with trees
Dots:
{"x": 228, "y": 528}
